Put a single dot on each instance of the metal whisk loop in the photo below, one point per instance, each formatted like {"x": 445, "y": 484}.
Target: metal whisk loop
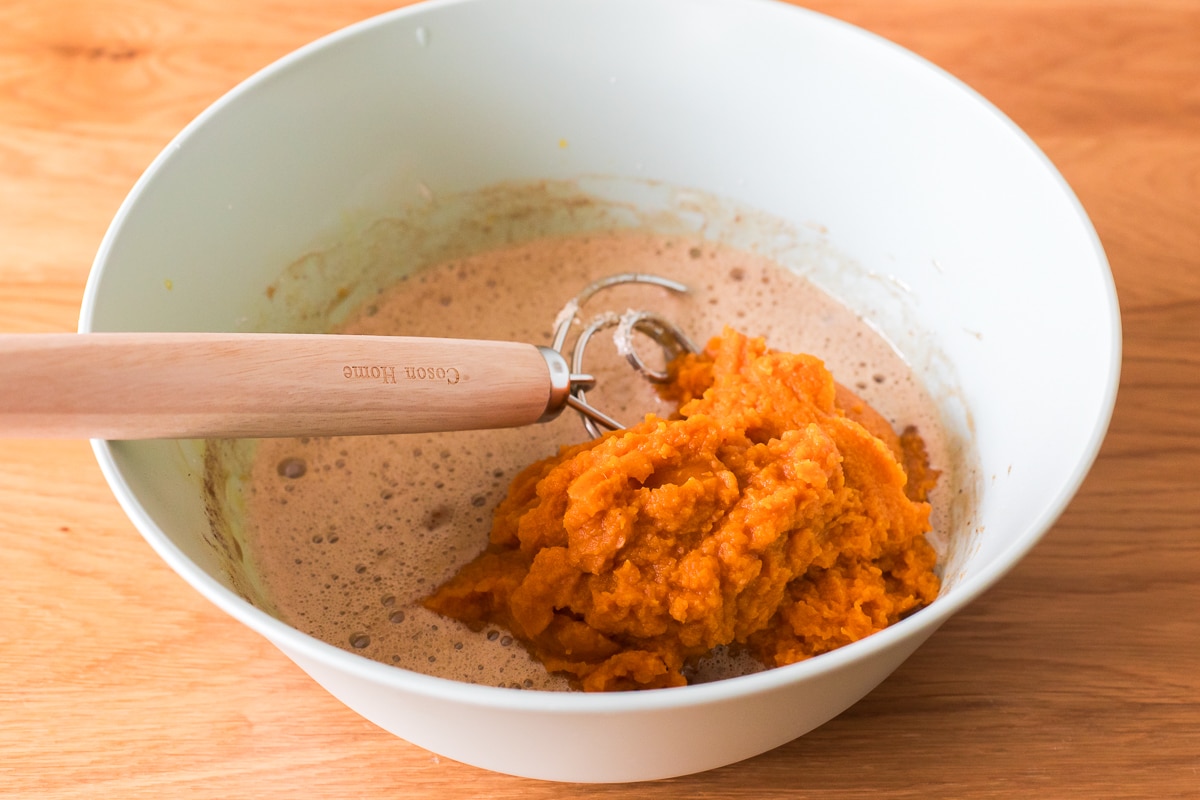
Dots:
{"x": 569, "y": 313}
{"x": 663, "y": 332}
{"x": 666, "y": 334}
{"x": 593, "y": 418}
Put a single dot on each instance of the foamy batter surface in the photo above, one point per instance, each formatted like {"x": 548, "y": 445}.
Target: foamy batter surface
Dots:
{"x": 349, "y": 533}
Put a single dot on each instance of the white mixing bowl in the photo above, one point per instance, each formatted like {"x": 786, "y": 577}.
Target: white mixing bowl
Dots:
{"x": 906, "y": 194}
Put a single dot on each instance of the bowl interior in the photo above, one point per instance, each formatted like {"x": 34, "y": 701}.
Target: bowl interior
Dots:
{"x": 886, "y": 181}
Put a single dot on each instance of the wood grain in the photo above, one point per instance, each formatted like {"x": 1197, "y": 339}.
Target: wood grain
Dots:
{"x": 1078, "y": 675}
{"x": 243, "y": 385}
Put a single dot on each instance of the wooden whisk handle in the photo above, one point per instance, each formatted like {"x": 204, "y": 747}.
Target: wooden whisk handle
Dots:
{"x": 192, "y": 385}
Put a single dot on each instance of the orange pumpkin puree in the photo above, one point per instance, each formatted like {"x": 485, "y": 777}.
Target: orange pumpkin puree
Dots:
{"x": 776, "y": 512}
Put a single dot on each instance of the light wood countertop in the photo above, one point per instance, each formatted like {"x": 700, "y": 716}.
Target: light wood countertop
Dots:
{"x": 1078, "y": 675}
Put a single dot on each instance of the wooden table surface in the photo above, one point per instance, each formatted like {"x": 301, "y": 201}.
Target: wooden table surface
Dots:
{"x": 1078, "y": 675}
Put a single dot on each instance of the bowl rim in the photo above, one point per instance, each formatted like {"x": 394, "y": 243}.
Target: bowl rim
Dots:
{"x": 915, "y": 627}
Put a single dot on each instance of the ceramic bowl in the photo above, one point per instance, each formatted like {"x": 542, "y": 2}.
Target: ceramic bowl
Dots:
{"x": 896, "y": 187}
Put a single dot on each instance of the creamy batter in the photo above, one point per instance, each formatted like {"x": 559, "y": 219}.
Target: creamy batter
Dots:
{"x": 347, "y": 534}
